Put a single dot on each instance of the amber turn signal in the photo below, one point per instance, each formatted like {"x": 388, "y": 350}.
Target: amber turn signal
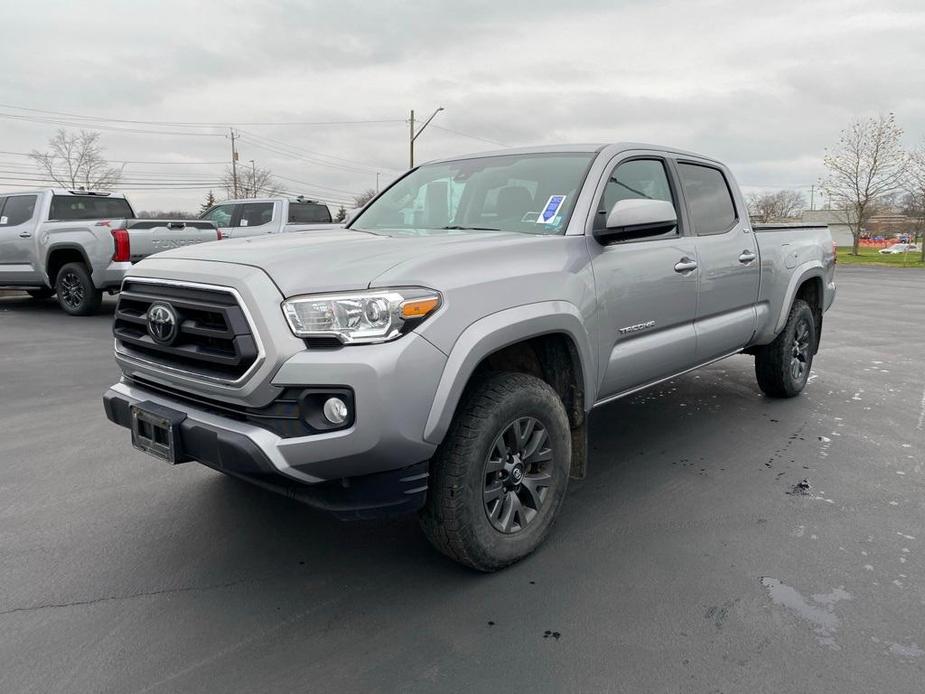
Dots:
{"x": 418, "y": 308}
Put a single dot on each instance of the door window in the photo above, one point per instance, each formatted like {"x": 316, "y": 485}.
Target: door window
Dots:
{"x": 636, "y": 179}
{"x": 254, "y": 214}
{"x": 708, "y": 198}
{"x": 220, "y": 216}
{"x": 17, "y": 210}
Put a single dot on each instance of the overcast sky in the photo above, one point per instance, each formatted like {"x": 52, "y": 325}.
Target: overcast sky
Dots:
{"x": 764, "y": 86}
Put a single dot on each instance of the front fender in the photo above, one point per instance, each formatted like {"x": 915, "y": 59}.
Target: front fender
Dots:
{"x": 494, "y": 332}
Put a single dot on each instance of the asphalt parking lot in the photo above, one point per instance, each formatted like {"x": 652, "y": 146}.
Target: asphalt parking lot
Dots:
{"x": 681, "y": 564}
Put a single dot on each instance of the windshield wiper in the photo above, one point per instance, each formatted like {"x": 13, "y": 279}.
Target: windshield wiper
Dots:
{"x": 452, "y": 227}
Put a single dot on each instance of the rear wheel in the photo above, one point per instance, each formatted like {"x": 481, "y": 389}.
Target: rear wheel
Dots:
{"x": 75, "y": 290}
{"x": 41, "y": 293}
{"x": 499, "y": 477}
{"x": 783, "y": 367}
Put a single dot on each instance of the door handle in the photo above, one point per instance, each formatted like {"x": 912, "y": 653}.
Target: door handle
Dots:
{"x": 25, "y": 234}
{"x": 747, "y": 257}
{"x": 685, "y": 265}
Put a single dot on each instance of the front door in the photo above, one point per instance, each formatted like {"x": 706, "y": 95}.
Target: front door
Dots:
{"x": 646, "y": 288}
{"x": 728, "y": 256}
{"x": 17, "y": 240}
{"x": 221, "y": 216}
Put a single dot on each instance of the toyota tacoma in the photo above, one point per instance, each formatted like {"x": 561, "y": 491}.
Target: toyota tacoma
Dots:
{"x": 442, "y": 353}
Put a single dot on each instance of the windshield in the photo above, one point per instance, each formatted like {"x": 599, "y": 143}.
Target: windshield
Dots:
{"x": 527, "y": 193}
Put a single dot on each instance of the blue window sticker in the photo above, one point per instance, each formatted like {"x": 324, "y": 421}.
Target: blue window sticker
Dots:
{"x": 551, "y": 209}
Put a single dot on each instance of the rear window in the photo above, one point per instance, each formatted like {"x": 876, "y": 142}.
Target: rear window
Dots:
{"x": 66, "y": 208}
{"x": 708, "y": 198}
{"x": 308, "y": 212}
{"x": 255, "y": 214}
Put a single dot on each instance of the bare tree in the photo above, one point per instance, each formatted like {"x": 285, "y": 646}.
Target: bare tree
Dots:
{"x": 867, "y": 163}
{"x": 75, "y": 160}
{"x": 253, "y": 182}
{"x": 916, "y": 184}
{"x": 780, "y": 206}
{"x": 341, "y": 215}
{"x": 364, "y": 197}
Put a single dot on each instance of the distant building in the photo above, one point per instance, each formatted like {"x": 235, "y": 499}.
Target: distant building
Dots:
{"x": 837, "y": 221}
{"x": 890, "y": 225}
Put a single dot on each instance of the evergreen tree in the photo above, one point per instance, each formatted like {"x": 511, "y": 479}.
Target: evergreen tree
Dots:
{"x": 207, "y": 203}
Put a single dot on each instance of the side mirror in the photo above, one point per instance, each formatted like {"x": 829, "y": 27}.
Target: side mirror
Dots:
{"x": 637, "y": 218}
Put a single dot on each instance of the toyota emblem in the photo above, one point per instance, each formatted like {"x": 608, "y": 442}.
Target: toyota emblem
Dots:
{"x": 162, "y": 322}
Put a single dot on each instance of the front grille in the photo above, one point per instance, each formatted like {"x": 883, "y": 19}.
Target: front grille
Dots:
{"x": 213, "y": 339}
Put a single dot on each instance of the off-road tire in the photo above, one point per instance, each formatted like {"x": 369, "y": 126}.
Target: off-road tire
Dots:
{"x": 75, "y": 290}
{"x": 455, "y": 516}
{"x": 775, "y": 365}
{"x": 41, "y": 294}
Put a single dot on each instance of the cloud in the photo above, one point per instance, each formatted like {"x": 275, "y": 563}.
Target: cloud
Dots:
{"x": 763, "y": 86}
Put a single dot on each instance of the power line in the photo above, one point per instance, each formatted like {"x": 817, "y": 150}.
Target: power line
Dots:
{"x": 200, "y": 124}
{"x": 97, "y": 126}
{"x": 293, "y": 153}
{"x": 287, "y": 145}
{"x": 127, "y": 161}
{"x": 471, "y": 137}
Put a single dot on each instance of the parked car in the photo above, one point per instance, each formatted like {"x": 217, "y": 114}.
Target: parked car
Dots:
{"x": 78, "y": 244}
{"x": 899, "y": 248}
{"x": 442, "y": 353}
{"x": 257, "y": 216}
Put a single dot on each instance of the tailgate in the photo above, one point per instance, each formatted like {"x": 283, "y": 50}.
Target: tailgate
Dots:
{"x": 147, "y": 237}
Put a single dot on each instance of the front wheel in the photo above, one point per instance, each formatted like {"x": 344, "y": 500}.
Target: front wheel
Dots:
{"x": 499, "y": 477}
{"x": 75, "y": 290}
{"x": 782, "y": 367}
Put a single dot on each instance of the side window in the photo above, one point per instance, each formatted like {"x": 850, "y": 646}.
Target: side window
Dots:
{"x": 17, "y": 210}
{"x": 631, "y": 180}
{"x": 709, "y": 199}
{"x": 253, "y": 214}
{"x": 220, "y": 216}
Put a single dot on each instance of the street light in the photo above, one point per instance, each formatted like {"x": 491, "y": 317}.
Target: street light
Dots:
{"x": 415, "y": 135}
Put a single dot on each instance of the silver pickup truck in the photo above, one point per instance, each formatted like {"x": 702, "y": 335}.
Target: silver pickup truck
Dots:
{"x": 258, "y": 216}
{"x": 442, "y": 353}
{"x": 78, "y": 244}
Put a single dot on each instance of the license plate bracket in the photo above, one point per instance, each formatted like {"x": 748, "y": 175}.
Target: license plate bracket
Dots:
{"x": 156, "y": 431}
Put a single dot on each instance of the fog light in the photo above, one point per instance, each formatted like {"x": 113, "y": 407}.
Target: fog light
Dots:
{"x": 335, "y": 410}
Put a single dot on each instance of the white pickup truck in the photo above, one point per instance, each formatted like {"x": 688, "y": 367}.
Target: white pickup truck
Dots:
{"x": 258, "y": 216}
{"x": 78, "y": 244}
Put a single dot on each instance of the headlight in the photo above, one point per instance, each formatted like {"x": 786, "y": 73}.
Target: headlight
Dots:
{"x": 377, "y": 315}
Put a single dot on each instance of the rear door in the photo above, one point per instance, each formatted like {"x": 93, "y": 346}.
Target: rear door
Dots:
{"x": 254, "y": 218}
{"x": 646, "y": 287}
{"x": 727, "y": 254}
{"x": 18, "y": 214}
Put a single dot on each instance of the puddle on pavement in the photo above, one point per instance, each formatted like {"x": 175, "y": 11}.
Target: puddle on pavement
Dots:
{"x": 821, "y": 615}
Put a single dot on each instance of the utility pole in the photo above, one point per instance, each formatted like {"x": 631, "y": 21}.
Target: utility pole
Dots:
{"x": 234, "y": 163}
{"x": 377, "y": 183}
{"x": 812, "y": 197}
{"x": 254, "y": 177}
{"x": 414, "y": 135}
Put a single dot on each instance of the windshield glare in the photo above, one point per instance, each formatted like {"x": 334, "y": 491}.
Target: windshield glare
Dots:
{"x": 526, "y": 193}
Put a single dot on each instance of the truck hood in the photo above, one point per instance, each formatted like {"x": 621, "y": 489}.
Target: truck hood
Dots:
{"x": 343, "y": 259}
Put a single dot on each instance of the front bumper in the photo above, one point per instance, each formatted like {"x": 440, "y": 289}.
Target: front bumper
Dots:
{"x": 251, "y": 453}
